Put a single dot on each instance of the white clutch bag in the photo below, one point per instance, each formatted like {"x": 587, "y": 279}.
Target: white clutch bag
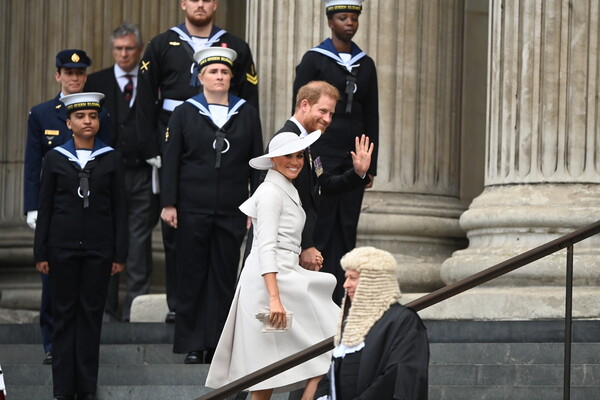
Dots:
{"x": 267, "y": 327}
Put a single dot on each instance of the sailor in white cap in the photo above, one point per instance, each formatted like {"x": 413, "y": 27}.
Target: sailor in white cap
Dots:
{"x": 80, "y": 240}
{"x": 273, "y": 280}
{"x": 340, "y": 62}
{"x": 168, "y": 77}
{"x": 46, "y": 129}
{"x": 206, "y": 176}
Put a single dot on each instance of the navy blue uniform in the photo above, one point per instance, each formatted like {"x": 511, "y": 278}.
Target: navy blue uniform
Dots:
{"x": 80, "y": 244}
{"x": 46, "y": 129}
{"x": 211, "y": 227}
{"x": 167, "y": 73}
{"x": 356, "y": 113}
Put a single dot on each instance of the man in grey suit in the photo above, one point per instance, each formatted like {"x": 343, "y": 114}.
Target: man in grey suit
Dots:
{"x": 119, "y": 84}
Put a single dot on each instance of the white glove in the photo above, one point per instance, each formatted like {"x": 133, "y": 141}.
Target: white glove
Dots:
{"x": 154, "y": 161}
{"x": 32, "y": 218}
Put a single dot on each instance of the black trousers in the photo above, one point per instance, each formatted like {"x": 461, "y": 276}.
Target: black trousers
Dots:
{"x": 79, "y": 281}
{"x": 46, "y": 313}
{"x": 168, "y": 236}
{"x": 335, "y": 232}
{"x": 207, "y": 259}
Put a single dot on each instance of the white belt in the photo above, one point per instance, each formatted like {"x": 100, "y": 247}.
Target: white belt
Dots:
{"x": 170, "y": 104}
{"x": 289, "y": 246}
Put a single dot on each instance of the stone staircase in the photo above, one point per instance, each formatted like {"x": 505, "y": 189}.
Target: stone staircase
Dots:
{"x": 469, "y": 360}
{"x": 511, "y": 360}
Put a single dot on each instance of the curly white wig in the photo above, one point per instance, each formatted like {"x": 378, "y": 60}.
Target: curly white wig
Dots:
{"x": 376, "y": 291}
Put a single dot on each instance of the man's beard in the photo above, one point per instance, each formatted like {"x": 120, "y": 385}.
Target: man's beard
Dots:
{"x": 200, "y": 22}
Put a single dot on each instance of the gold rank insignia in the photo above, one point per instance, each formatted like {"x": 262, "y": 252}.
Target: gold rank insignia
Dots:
{"x": 145, "y": 66}
{"x": 75, "y": 57}
{"x": 58, "y": 106}
{"x": 252, "y": 76}
{"x": 51, "y": 132}
{"x": 174, "y": 43}
{"x": 167, "y": 135}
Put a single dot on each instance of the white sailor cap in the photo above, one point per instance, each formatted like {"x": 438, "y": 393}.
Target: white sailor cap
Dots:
{"x": 282, "y": 144}
{"x": 211, "y": 55}
{"x": 82, "y": 101}
{"x": 335, "y": 6}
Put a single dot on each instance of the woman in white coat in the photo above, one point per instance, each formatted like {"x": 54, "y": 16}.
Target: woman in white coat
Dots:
{"x": 272, "y": 280}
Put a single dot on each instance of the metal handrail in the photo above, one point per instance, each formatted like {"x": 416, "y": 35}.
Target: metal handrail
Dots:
{"x": 566, "y": 241}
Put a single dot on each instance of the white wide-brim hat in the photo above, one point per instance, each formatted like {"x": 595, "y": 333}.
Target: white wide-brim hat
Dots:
{"x": 282, "y": 144}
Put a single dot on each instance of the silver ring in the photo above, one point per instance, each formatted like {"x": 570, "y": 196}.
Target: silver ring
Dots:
{"x": 222, "y": 151}
{"x": 79, "y": 192}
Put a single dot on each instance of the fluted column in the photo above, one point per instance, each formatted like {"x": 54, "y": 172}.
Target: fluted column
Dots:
{"x": 542, "y": 171}
{"x": 413, "y": 208}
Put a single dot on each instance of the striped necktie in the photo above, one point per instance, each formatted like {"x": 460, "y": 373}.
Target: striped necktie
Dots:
{"x": 128, "y": 89}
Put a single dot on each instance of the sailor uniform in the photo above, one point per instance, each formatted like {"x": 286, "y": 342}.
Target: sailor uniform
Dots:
{"x": 46, "y": 129}
{"x": 81, "y": 230}
{"x": 356, "y": 114}
{"x": 206, "y": 176}
{"x": 167, "y": 77}
{"x": 168, "y": 68}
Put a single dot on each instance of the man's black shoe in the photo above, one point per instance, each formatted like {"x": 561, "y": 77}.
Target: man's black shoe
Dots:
{"x": 170, "y": 318}
{"x": 69, "y": 397}
{"x": 86, "y": 396}
{"x": 194, "y": 357}
{"x": 47, "y": 360}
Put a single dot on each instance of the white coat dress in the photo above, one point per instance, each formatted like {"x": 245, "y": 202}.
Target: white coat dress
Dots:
{"x": 278, "y": 220}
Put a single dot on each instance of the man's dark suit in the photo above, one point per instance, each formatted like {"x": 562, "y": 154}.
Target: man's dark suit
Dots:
{"x": 142, "y": 204}
{"x": 310, "y": 186}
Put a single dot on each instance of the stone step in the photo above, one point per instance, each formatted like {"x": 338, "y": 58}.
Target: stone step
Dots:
{"x": 449, "y": 392}
{"x": 125, "y": 393}
{"x": 519, "y": 375}
{"x": 438, "y": 332}
{"x": 441, "y": 353}
{"x": 123, "y": 354}
{"x": 512, "y": 353}
{"x": 115, "y": 374}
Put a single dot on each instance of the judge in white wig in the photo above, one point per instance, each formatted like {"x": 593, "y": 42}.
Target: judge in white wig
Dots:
{"x": 382, "y": 350}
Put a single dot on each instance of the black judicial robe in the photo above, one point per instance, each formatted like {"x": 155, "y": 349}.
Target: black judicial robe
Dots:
{"x": 167, "y": 72}
{"x": 392, "y": 365}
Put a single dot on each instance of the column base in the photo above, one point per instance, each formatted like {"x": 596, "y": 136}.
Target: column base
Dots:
{"x": 505, "y": 221}
{"x": 420, "y": 230}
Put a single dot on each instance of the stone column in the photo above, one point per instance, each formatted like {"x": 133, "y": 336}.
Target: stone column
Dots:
{"x": 542, "y": 171}
{"x": 414, "y": 206}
